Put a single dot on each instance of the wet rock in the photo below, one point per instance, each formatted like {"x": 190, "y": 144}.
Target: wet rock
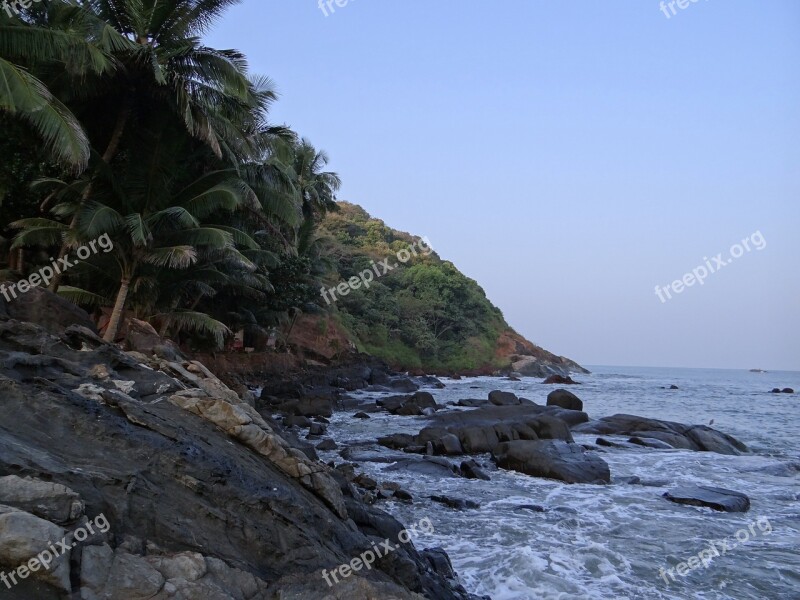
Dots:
{"x": 531, "y": 507}
{"x": 564, "y": 399}
{"x": 787, "y": 391}
{"x": 361, "y": 415}
{"x": 499, "y": 398}
{"x": 715, "y": 498}
{"x": 403, "y": 384}
{"x": 295, "y": 421}
{"x": 473, "y": 403}
{"x": 368, "y": 483}
{"x": 413, "y": 405}
{"x": 673, "y": 387}
{"x": 431, "y": 381}
{"x": 327, "y": 445}
{"x": 677, "y": 435}
{"x": 440, "y": 562}
{"x": 775, "y": 391}
{"x": 456, "y": 503}
{"x": 471, "y": 470}
{"x": 650, "y": 443}
{"x": 403, "y": 496}
{"x": 612, "y": 444}
{"x": 553, "y": 459}
{"x": 317, "y": 429}
{"x": 560, "y": 380}
{"x": 425, "y": 465}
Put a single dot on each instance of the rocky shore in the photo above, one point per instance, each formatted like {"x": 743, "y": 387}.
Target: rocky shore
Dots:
{"x": 204, "y": 496}
{"x": 214, "y": 489}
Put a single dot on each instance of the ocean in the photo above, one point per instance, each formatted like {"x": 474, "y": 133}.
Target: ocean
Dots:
{"x": 612, "y": 541}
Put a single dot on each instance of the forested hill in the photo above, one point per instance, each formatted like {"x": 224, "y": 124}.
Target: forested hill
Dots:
{"x": 421, "y": 315}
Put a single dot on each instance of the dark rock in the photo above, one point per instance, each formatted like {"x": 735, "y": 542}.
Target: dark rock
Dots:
{"x": 317, "y": 429}
{"x": 776, "y": 391}
{"x": 787, "y": 391}
{"x": 530, "y": 507}
{"x": 499, "y": 398}
{"x": 368, "y": 483}
{"x": 674, "y": 387}
{"x": 361, "y": 415}
{"x": 397, "y": 441}
{"x": 295, "y": 421}
{"x": 716, "y": 498}
{"x": 413, "y": 405}
{"x": 327, "y": 445}
{"x": 48, "y": 310}
{"x": 677, "y": 435}
{"x": 456, "y": 503}
{"x": 553, "y": 459}
{"x": 564, "y": 399}
{"x": 473, "y": 403}
{"x": 440, "y": 562}
{"x": 195, "y": 471}
{"x": 431, "y": 381}
{"x": 471, "y": 470}
{"x": 426, "y": 465}
{"x": 610, "y": 444}
{"x": 560, "y": 380}
{"x": 650, "y": 443}
{"x": 403, "y": 384}
{"x": 403, "y": 495}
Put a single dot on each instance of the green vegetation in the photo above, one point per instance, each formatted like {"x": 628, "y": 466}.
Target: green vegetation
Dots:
{"x": 118, "y": 121}
{"x": 424, "y": 315}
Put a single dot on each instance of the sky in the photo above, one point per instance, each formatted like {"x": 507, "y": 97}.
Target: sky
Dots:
{"x": 568, "y": 155}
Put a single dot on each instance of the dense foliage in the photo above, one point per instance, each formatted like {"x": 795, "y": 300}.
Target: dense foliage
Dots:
{"x": 424, "y": 314}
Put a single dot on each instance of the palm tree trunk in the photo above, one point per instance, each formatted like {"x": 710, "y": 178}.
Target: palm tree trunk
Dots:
{"x": 111, "y": 150}
{"x": 116, "y": 314}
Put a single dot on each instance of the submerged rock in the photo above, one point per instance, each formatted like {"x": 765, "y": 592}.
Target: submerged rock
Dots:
{"x": 716, "y": 498}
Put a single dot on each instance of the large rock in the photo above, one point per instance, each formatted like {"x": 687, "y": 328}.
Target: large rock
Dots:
{"x": 24, "y": 536}
{"x": 564, "y": 399}
{"x": 176, "y": 462}
{"x": 717, "y": 498}
{"x": 50, "y": 311}
{"x": 677, "y": 435}
{"x": 499, "y": 398}
{"x": 553, "y": 459}
{"x": 51, "y": 501}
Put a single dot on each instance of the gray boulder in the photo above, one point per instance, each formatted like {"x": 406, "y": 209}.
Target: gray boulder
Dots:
{"x": 716, "y": 498}
{"x": 553, "y": 459}
{"x": 564, "y": 399}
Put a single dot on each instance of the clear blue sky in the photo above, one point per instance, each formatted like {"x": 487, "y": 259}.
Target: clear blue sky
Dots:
{"x": 568, "y": 155}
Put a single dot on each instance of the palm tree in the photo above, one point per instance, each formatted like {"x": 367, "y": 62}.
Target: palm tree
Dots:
{"x": 74, "y": 44}
{"x": 315, "y": 187}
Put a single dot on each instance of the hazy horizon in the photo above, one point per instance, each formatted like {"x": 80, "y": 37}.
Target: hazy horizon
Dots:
{"x": 569, "y": 158}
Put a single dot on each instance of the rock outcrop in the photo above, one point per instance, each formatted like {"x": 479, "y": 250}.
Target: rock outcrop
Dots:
{"x": 205, "y": 498}
{"x": 677, "y": 435}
